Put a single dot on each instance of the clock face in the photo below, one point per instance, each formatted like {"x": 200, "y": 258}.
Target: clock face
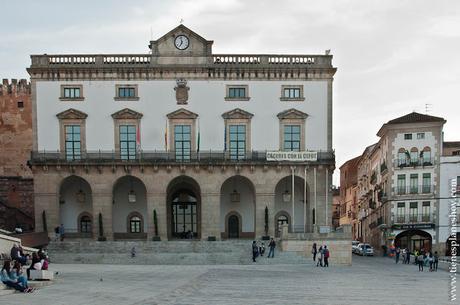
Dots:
{"x": 181, "y": 42}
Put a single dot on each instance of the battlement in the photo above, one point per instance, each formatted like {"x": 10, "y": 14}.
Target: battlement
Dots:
{"x": 13, "y": 87}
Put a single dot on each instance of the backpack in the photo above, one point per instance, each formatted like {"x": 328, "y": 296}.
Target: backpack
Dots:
{"x": 326, "y": 253}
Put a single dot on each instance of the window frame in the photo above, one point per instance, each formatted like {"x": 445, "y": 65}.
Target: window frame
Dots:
{"x": 71, "y": 86}
{"x": 74, "y": 156}
{"x": 407, "y": 136}
{"x": 300, "y": 98}
{"x": 291, "y": 141}
{"x": 237, "y": 98}
{"x": 236, "y": 153}
{"x": 182, "y": 156}
{"x": 129, "y": 155}
{"x": 126, "y": 98}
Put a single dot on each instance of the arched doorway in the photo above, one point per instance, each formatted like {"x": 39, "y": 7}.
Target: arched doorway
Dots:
{"x": 414, "y": 240}
{"x": 129, "y": 209}
{"x": 233, "y": 227}
{"x": 75, "y": 207}
{"x": 281, "y": 218}
{"x": 184, "y": 208}
{"x": 237, "y": 197}
{"x": 300, "y": 215}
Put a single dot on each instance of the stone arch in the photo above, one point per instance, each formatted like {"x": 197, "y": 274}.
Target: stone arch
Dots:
{"x": 237, "y": 193}
{"x": 81, "y": 229}
{"x": 277, "y": 217}
{"x": 189, "y": 189}
{"x": 75, "y": 198}
{"x": 129, "y": 196}
{"x": 283, "y": 202}
{"x": 129, "y": 218}
{"x": 240, "y": 224}
{"x": 414, "y": 240}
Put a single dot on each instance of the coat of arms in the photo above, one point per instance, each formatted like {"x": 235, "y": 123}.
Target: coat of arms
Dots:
{"x": 181, "y": 91}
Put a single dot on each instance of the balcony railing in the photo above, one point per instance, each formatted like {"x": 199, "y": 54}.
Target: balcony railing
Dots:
{"x": 414, "y": 218}
{"x": 417, "y": 189}
{"x": 401, "y": 163}
{"x": 143, "y": 156}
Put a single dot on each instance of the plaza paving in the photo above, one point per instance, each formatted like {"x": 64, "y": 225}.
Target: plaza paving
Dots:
{"x": 371, "y": 280}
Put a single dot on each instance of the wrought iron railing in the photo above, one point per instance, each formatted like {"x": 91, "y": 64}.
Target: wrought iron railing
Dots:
{"x": 401, "y": 163}
{"x": 414, "y": 218}
{"x": 144, "y": 156}
{"x": 414, "y": 189}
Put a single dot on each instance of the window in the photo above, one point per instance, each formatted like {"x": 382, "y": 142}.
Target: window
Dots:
{"x": 458, "y": 186}
{"x": 71, "y": 92}
{"x": 292, "y": 137}
{"x": 414, "y": 156}
{"x": 135, "y": 225}
{"x": 402, "y": 158}
{"x": 414, "y": 183}
{"x": 407, "y": 136}
{"x": 413, "y": 210}
{"x": 426, "y": 187}
{"x": 237, "y": 134}
{"x": 72, "y": 142}
{"x": 128, "y": 142}
{"x": 20, "y": 104}
{"x": 401, "y": 184}
{"x": 289, "y": 93}
{"x": 426, "y": 156}
{"x": 426, "y": 211}
{"x": 420, "y": 135}
{"x": 85, "y": 224}
{"x": 237, "y": 93}
{"x": 400, "y": 212}
{"x": 182, "y": 142}
{"x": 126, "y": 92}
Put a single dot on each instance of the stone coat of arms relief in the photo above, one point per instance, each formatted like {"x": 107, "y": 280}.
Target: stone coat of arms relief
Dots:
{"x": 181, "y": 91}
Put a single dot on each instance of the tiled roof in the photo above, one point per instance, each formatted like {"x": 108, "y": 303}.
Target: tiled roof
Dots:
{"x": 415, "y": 117}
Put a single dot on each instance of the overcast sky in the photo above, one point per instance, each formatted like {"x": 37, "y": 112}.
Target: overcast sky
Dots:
{"x": 393, "y": 57}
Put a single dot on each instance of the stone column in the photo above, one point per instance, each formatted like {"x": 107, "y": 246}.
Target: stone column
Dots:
{"x": 210, "y": 215}
{"x": 46, "y": 198}
{"x": 264, "y": 200}
{"x": 103, "y": 203}
{"x": 157, "y": 201}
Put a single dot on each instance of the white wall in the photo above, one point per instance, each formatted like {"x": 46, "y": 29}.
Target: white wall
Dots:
{"x": 450, "y": 169}
{"x": 298, "y": 200}
{"x": 206, "y": 98}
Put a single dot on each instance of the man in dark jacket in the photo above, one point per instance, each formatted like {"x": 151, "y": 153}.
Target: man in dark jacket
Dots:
{"x": 272, "y": 246}
{"x": 255, "y": 251}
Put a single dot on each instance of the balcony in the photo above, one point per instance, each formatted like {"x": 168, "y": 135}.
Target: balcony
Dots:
{"x": 163, "y": 157}
{"x": 402, "y": 163}
{"x": 417, "y": 189}
{"x": 414, "y": 218}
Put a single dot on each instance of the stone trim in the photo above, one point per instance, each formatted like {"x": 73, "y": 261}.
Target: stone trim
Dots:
{"x": 292, "y": 117}
{"x": 238, "y": 117}
{"x": 133, "y": 98}
{"x": 227, "y": 91}
{"x": 117, "y": 123}
{"x": 182, "y": 113}
{"x": 275, "y": 224}
{"x": 71, "y": 114}
{"x": 72, "y": 117}
{"x": 292, "y": 99}
{"x": 82, "y": 214}
{"x": 292, "y": 114}
{"x": 237, "y": 113}
{"x": 240, "y": 223}
{"x": 127, "y": 113}
{"x": 75, "y": 99}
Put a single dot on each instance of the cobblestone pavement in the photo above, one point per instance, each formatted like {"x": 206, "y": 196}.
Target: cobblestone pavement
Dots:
{"x": 371, "y": 280}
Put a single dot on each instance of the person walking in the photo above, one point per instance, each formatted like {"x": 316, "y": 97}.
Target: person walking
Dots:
{"x": 435, "y": 261}
{"x": 326, "y": 256}
{"x": 397, "y": 253}
{"x": 314, "y": 251}
{"x": 61, "y": 232}
{"x": 431, "y": 261}
{"x": 407, "y": 256}
{"x": 320, "y": 257}
{"x": 420, "y": 262}
{"x": 255, "y": 251}
{"x": 271, "y": 247}
{"x": 404, "y": 255}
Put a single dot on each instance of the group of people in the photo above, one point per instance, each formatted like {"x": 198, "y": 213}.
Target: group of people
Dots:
{"x": 258, "y": 249}
{"x": 422, "y": 258}
{"x": 321, "y": 255}
{"x": 12, "y": 273}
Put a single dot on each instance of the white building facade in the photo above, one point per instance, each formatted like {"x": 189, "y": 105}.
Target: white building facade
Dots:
{"x": 179, "y": 142}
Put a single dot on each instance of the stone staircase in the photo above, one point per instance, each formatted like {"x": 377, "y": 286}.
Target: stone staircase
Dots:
{"x": 232, "y": 252}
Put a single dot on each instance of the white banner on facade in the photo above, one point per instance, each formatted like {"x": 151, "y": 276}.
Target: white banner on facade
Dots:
{"x": 298, "y": 156}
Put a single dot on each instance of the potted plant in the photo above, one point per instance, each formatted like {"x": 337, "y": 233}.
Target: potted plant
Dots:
{"x": 266, "y": 236}
{"x": 155, "y": 224}
{"x": 101, "y": 236}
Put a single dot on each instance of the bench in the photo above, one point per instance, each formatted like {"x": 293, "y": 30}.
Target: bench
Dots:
{"x": 42, "y": 275}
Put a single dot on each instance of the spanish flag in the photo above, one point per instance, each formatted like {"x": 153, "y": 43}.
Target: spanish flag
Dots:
{"x": 166, "y": 136}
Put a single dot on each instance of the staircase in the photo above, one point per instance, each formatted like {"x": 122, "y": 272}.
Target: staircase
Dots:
{"x": 233, "y": 252}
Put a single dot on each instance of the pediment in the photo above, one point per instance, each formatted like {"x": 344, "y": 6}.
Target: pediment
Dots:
{"x": 292, "y": 114}
{"x": 237, "y": 114}
{"x": 182, "y": 113}
{"x": 71, "y": 114}
{"x": 127, "y": 114}
{"x": 164, "y": 46}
